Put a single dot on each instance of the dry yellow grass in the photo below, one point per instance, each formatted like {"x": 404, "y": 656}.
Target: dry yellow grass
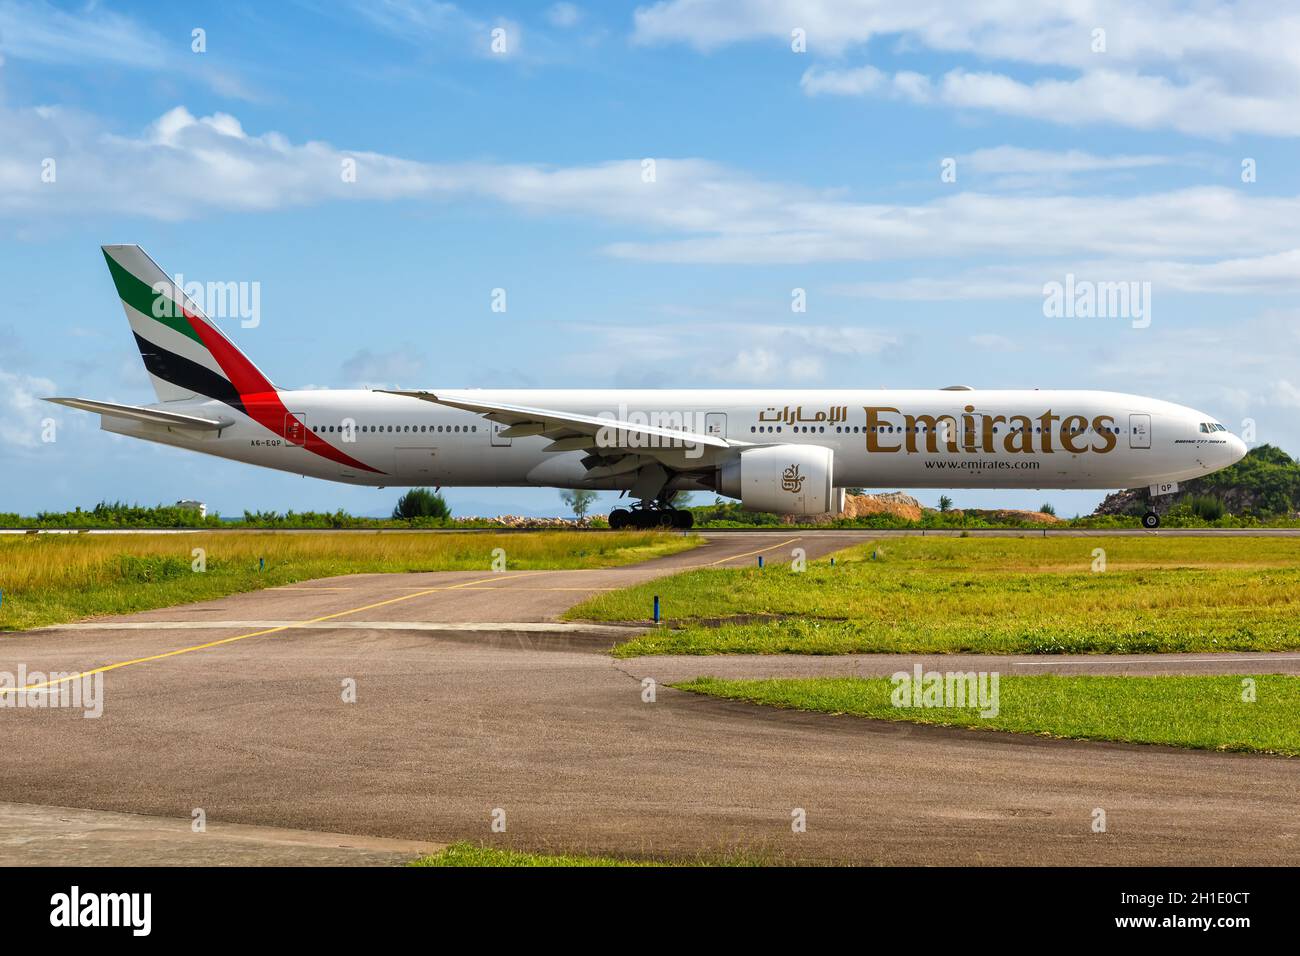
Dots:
{"x": 48, "y": 579}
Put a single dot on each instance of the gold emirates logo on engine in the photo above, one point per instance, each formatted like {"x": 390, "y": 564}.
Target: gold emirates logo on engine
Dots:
{"x": 791, "y": 480}
{"x": 1014, "y": 433}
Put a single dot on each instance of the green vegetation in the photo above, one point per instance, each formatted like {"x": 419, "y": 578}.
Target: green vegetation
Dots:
{"x": 1264, "y": 483}
{"x": 51, "y": 579}
{"x": 578, "y": 500}
{"x": 1261, "y": 490}
{"x": 728, "y": 514}
{"x": 1205, "y": 507}
{"x": 982, "y": 595}
{"x": 421, "y": 503}
{"x": 1206, "y": 713}
{"x": 469, "y": 854}
{"x": 118, "y": 515}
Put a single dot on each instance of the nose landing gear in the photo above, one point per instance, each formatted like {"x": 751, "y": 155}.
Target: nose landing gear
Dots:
{"x": 1150, "y": 520}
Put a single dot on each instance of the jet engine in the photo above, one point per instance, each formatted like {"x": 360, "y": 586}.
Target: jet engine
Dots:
{"x": 782, "y": 479}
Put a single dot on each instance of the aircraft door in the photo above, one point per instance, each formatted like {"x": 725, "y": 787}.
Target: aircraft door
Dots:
{"x": 1139, "y": 431}
{"x": 715, "y": 423}
{"x": 295, "y": 428}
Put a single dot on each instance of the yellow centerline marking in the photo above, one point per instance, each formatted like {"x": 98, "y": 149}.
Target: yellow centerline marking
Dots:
{"x": 287, "y": 588}
{"x": 748, "y": 554}
{"x": 241, "y": 637}
{"x": 541, "y": 589}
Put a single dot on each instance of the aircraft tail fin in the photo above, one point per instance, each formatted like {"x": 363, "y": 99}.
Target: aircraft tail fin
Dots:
{"x": 186, "y": 355}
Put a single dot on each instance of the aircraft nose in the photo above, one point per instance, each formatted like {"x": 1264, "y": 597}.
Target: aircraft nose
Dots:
{"x": 1236, "y": 449}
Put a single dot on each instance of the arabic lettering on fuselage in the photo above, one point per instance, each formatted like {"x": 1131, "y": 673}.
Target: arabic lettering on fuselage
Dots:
{"x": 788, "y": 416}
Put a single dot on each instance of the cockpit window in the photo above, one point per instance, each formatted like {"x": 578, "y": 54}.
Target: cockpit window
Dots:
{"x": 1213, "y": 427}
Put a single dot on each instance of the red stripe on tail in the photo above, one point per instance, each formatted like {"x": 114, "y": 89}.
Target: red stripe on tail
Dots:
{"x": 261, "y": 400}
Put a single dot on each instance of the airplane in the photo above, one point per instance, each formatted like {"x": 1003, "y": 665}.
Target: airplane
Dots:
{"x": 790, "y": 451}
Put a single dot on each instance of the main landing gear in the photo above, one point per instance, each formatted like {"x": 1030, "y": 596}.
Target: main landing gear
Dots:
{"x": 650, "y": 515}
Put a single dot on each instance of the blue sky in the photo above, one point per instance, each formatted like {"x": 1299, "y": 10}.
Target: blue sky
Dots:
{"x": 775, "y": 170}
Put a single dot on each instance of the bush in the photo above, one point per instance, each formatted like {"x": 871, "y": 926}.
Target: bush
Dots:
{"x": 579, "y": 501}
{"x": 421, "y": 503}
{"x": 1205, "y": 507}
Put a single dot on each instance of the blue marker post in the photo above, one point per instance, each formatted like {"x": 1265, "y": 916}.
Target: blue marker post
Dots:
{"x": 261, "y": 564}
{"x": 656, "y": 609}
{"x": 760, "y": 561}
{"x": 832, "y": 562}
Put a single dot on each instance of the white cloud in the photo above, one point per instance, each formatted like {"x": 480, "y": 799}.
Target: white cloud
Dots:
{"x": 1208, "y": 69}
{"x": 563, "y": 15}
{"x": 181, "y": 167}
{"x": 367, "y": 369}
{"x": 21, "y": 409}
{"x": 855, "y": 82}
{"x": 1199, "y": 107}
{"x": 39, "y": 32}
{"x": 733, "y": 353}
{"x": 1013, "y": 159}
{"x": 1285, "y": 393}
{"x": 424, "y": 22}
{"x": 1202, "y": 106}
{"x": 1275, "y": 273}
{"x": 1244, "y": 362}
{"x": 43, "y": 33}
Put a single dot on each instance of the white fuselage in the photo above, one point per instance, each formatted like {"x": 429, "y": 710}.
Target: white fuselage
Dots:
{"x": 880, "y": 438}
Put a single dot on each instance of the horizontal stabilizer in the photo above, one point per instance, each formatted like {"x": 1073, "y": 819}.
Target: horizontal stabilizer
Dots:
{"x": 153, "y": 416}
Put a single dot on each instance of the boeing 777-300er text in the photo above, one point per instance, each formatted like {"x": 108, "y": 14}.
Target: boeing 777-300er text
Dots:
{"x": 782, "y": 450}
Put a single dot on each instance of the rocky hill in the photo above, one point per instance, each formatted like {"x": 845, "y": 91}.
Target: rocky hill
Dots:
{"x": 898, "y": 505}
{"x": 1264, "y": 483}
{"x": 890, "y": 503}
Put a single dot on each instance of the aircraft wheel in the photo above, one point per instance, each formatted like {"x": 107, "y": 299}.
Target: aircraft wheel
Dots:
{"x": 619, "y": 518}
{"x": 1150, "y": 520}
{"x": 683, "y": 520}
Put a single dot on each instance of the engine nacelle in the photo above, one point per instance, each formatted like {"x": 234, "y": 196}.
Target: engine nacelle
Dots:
{"x": 782, "y": 479}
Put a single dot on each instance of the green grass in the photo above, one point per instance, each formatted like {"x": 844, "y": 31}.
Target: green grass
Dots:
{"x": 472, "y": 854}
{"x": 469, "y": 854}
{"x": 982, "y": 595}
{"x": 1201, "y": 712}
{"x": 52, "y": 579}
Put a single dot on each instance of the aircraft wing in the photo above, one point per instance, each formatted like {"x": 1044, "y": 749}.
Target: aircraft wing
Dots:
{"x": 572, "y": 432}
{"x": 153, "y": 416}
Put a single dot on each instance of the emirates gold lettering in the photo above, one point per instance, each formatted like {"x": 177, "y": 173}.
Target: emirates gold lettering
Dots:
{"x": 984, "y": 433}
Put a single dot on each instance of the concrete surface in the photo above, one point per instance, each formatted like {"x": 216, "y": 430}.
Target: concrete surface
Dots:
{"x": 452, "y": 722}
